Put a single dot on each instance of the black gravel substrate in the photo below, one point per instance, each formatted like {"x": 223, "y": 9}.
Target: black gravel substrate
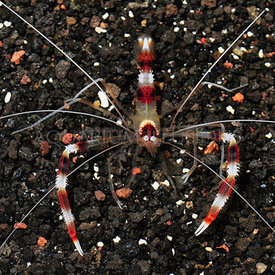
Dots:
{"x": 156, "y": 235}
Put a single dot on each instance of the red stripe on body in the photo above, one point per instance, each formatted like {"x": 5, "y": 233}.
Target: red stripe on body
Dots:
{"x": 63, "y": 166}
{"x": 146, "y": 94}
{"x": 224, "y": 191}
{"x": 146, "y": 57}
{"x": 72, "y": 231}
{"x": 63, "y": 199}
{"x": 233, "y": 153}
{"x": 146, "y": 67}
{"x": 65, "y": 205}
{"x": 211, "y": 216}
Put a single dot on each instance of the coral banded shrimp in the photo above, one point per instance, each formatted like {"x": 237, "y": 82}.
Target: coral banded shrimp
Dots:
{"x": 144, "y": 135}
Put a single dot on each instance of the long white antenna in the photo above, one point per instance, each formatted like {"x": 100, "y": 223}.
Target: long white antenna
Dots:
{"x": 218, "y": 122}
{"x": 65, "y": 54}
{"x": 213, "y": 65}
{"x": 69, "y": 112}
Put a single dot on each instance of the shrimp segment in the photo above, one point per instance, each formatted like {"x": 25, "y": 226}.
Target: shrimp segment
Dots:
{"x": 233, "y": 167}
{"x": 61, "y": 183}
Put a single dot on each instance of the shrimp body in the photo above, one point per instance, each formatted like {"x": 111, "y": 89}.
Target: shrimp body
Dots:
{"x": 146, "y": 119}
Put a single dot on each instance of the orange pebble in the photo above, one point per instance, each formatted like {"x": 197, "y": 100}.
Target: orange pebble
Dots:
{"x": 228, "y": 65}
{"x": 17, "y": 56}
{"x": 239, "y": 97}
{"x": 25, "y": 80}
{"x": 67, "y": 138}
{"x": 211, "y": 148}
{"x": 100, "y": 196}
{"x": 136, "y": 171}
{"x": 124, "y": 193}
{"x": 67, "y": 107}
{"x": 270, "y": 54}
{"x": 20, "y": 225}
{"x": 203, "y": 40}
{"x": 224, "y": 247}
{"x": 41, "y": 241}
{"x": 103, "y": 25}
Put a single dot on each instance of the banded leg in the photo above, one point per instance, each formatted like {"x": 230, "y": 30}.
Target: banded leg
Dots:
{"x": 61, "y": 183}
{"x": 232, "y": 172}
